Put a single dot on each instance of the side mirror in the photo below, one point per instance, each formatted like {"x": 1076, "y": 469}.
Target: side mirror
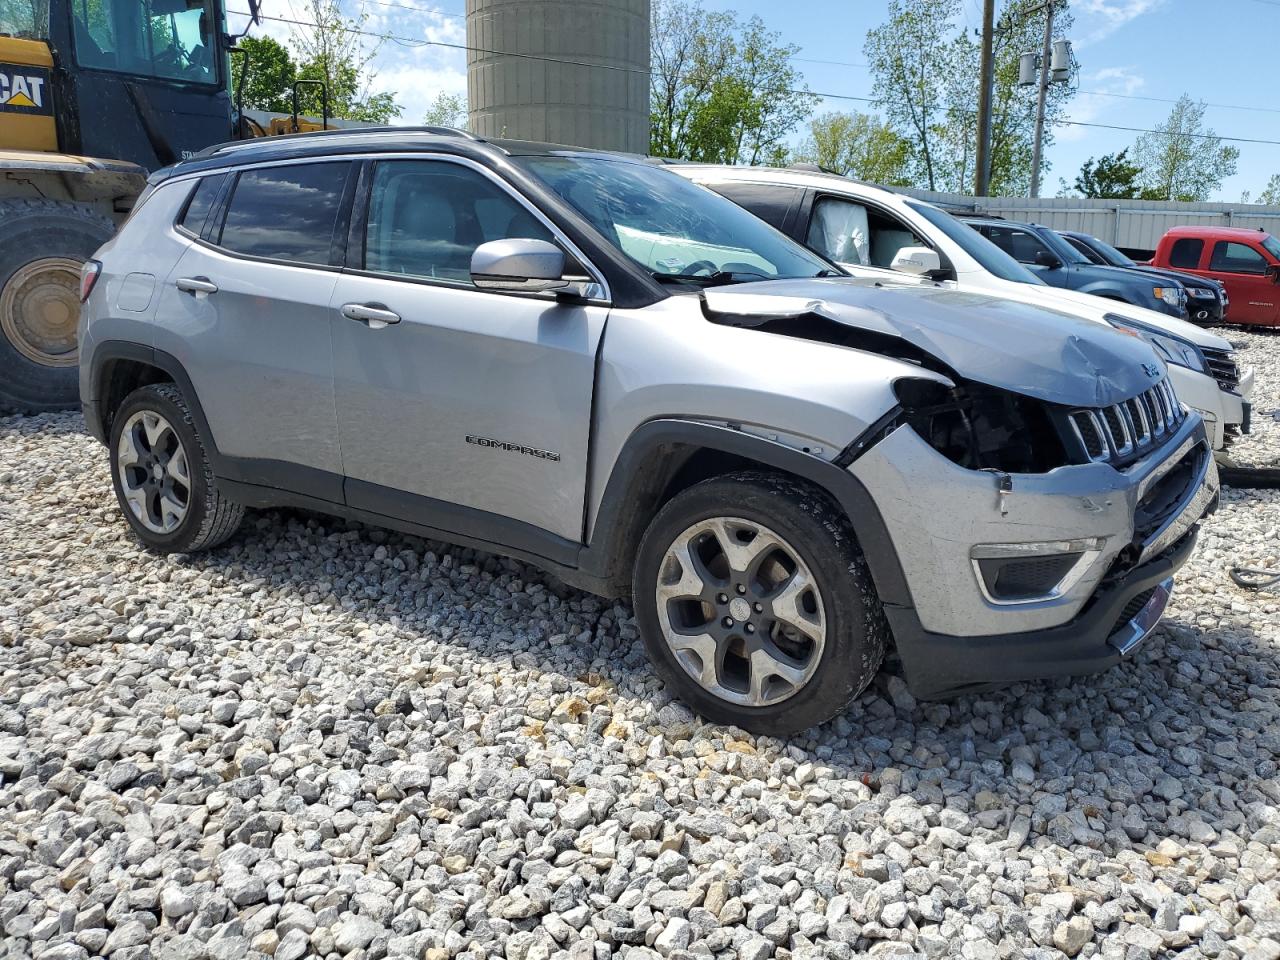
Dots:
{"x": 1046, "y": 259}
{"x": 1273, "y": 271}
{"x": 917, "y": 261}
{"x": 518, "y": 265}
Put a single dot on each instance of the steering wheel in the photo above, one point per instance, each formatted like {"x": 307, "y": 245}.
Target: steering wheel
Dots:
{"x": 699, "y": 265}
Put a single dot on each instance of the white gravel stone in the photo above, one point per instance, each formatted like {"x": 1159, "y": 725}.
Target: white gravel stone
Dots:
{"x": 331, "y": 740}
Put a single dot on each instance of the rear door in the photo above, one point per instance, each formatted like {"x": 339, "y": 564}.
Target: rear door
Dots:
{"x": 247, "y": 314}
{"x": 467, "y": 398}
{"x": 1242, "y": 267}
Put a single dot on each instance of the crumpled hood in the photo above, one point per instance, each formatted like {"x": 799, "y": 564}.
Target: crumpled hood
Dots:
{"x": 1015, "y": 346}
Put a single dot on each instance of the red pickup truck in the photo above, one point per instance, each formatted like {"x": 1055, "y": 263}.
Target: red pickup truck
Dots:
{"x": 1246, "y": 262}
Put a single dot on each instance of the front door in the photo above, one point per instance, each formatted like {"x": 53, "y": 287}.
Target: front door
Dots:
{"x": 1243, "y": 268}
{"x": 449, "y": 396}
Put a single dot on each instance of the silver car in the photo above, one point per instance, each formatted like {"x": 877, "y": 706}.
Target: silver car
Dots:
{"x": 591, "y": 364}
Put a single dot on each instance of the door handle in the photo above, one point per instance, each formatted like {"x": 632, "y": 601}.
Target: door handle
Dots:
{"x": 375, "y": 315}
{"x": 196, "y": 285}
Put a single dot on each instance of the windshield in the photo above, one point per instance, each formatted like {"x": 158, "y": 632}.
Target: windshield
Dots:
{"x": 27, "y": 19}
{"x": 1271, "y": 245}
{"x": 674, "y": 229}
{"x": 168, "y": 39}
{"x": 1110, "y": 254}
{"x": 990, "y": 257}
{"x": 1066, "y": 251}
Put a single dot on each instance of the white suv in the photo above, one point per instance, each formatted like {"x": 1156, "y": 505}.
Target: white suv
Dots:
{"x": 876, "y": 233}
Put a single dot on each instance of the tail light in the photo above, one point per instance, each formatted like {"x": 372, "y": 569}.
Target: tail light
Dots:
{"x": 89, "y": 274}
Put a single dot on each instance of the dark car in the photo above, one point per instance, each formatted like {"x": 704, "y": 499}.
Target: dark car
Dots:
{"x": 1059, "y": 264}
{"x": 1206, "y": 299}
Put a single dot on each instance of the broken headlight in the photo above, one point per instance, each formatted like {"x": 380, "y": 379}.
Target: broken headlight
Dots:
{"x": 982, "y": 428}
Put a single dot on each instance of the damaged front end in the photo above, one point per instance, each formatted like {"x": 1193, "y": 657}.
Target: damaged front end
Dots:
{"x": 1033, "y": 479}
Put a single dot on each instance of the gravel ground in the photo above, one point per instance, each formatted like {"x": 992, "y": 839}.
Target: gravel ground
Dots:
{"x": 1262, "y": 352}
{"x": 326, "y": 740}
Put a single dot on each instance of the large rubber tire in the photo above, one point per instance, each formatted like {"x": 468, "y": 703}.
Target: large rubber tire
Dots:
{"x": 814, "y": 528}
{"x": 210, "y": 517}
{"x": 32, "y": 231}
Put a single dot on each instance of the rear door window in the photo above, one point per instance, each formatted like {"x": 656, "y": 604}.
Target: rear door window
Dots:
{"x": 1231, "y": 257}
{"x": 286, "y": 213}
{"x": 426, "y": 218}
{"x": 1019, "y": 244}
{"x": 1185, "y": 253}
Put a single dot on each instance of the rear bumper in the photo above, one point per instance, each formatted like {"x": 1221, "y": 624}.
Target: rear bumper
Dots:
{"x": 1121, "y": 614}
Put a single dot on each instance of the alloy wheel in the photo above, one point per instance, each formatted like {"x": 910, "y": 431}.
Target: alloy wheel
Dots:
{"x": 741, "y": 611}
{"x": 154, "y": 473}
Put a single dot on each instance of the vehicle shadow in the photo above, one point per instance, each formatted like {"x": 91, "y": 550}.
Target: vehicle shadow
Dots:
{"x": 1178, "y": 743}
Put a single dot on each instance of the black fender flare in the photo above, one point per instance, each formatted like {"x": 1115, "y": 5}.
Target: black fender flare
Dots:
{"x": 654, "y": 453}
{"x": 109, "y": 351}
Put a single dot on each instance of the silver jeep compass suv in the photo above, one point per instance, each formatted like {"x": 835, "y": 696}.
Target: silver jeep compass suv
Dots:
{"x": 589, "y": 363}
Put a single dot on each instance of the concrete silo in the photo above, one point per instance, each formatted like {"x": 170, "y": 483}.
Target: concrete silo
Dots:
{"x": 599, "y": 99}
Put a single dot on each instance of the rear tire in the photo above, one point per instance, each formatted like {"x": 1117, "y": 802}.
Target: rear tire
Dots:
{"x": 162, "y": 478}
{"x": 775, "y": 633}
{"x": 42, "y": 247}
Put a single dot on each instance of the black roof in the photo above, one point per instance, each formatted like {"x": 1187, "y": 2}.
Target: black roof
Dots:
{"x": 369, "y": 140}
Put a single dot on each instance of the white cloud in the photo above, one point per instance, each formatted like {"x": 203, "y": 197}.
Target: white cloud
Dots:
{"x": 1101, "y": 18}
{"x": 1089, "y": 107}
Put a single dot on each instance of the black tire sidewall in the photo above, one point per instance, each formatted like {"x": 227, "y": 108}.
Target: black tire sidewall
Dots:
{"x": 180, "y": 540}
{"x": 24, "y": 384}
{"x": 813, "y": 528}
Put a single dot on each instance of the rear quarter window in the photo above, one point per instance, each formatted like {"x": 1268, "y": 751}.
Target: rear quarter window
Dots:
{"x": 768, "y": 201}
{"x": 200, "y": 203}
{"x": 286, "y": 213}
{"x": 1185, "y": 253}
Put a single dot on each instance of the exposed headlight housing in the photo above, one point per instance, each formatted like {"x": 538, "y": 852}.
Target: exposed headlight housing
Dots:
{"x": 1173, "y": 296}
{"x": 1168, "y": 346}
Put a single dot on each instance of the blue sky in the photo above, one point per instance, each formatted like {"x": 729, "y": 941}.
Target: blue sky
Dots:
{"x": 1220, "y": 51}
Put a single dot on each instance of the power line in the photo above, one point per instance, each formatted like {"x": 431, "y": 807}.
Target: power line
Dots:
{"x": 1221, "y": 106}
{"x": 417, "y": 42}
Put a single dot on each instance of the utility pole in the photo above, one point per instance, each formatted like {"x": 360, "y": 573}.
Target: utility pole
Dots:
{"x": 982, "y": 179}
{"x": 1041, "y": 94}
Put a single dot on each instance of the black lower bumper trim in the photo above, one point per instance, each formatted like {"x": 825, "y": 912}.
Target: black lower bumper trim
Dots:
{"x": 938, "y": 665}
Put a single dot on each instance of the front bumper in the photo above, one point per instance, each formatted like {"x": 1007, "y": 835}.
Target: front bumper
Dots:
{"x": 1120, "y": 615}
{"x": 939, "y": 517}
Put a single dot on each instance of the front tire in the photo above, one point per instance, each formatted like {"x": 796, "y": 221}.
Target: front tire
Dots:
{"x": 42, "y": 247}
{"x": 756, "y": 604}
{"x": 162, "y": 478}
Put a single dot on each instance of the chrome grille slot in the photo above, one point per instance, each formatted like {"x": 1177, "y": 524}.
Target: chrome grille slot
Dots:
{"x": 1138, "y": 420}
{"x": 1117, "y": 430}
{"x": 1089, "y": 433}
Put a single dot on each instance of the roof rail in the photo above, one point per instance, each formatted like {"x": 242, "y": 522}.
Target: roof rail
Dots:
{"x": 219, "y": 148}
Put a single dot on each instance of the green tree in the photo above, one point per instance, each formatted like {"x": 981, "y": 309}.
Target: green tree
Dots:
{"x": 721, "y": 91}
{"x": 1182, "y": 159}
{"x": 269, "y": 82}
{"x": 924, "y": 66}
{"x": 856, "y": 145}
{"x": 910, "y": 58}
{"x": 447, "y": 110}
{"x": 1270, "y": 194}
{"x": 1109, "y": 177}
{"x": 332, "y": 48}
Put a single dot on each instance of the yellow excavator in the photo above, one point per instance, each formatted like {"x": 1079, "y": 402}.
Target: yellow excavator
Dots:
{"x": 94, "y": 94}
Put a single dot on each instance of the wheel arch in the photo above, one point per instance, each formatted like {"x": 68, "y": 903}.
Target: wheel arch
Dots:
{"x": 664, "y": 456}
{"x": 118, "y": 367}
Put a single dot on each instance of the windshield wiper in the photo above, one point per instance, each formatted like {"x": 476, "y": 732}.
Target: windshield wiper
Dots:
{"x": 826, "y": 272}
{"x": 717, "y": 279}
